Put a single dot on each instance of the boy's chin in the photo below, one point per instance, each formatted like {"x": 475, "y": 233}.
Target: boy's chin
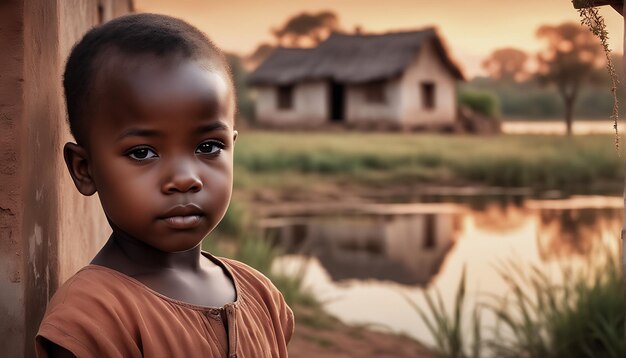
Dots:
{"x": 178, "y": 244}
{"x": 163, "y": 237}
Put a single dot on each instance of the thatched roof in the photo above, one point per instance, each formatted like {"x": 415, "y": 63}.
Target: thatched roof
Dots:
{"x": 350, "y": 59}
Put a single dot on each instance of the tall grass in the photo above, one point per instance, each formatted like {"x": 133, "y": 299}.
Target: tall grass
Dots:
{"x": 446, "y": 328}
{"x": 551, "y": 162}
{"x": 582, "y": 316}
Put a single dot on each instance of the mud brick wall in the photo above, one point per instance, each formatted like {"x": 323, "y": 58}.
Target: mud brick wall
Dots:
{"x": 47, "y": 229}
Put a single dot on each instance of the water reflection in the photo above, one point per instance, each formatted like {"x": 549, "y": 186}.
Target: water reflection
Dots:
{"x": 564, "y": 233}
{"x": 580, "y": 127}
{"x": 382, "y": 243}
{"x": 363, "y": 260}
{"x": 407, "y": 243}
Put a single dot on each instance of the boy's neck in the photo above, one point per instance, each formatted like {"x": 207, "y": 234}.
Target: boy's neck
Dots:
{"x": 146, "y": 258}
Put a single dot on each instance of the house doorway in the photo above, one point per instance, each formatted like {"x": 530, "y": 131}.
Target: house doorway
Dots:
{"x": 337, "y": 101}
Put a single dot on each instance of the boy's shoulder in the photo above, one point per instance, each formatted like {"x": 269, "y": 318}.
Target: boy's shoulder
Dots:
{"x": 254, "y": 285}
{"x": 92, "y": 282}
{"x": 249, "y": 278}
{"x": 243, "y": 270}
{"x": 95, "y": 285}
{"x": 96, "y": 301}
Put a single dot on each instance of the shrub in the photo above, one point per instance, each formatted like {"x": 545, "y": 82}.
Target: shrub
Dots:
{"x": 482, "y": 102}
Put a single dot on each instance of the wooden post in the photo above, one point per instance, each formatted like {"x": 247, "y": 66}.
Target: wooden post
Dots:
{"x": 623, "y": 11}
{"x": 616, "y": 4}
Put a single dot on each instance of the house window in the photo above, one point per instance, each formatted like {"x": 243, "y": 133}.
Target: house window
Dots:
{"x": 285, "y": 97}
{"x": 375, "y": 92}
{"x": 428, "y": 95}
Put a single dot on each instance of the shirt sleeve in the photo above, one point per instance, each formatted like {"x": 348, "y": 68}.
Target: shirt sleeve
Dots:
{"x": 286, "y": 317}
{"x": 283, "y": 312}
{"x": 57, "y": 336}
{"x": 87, "y": 323}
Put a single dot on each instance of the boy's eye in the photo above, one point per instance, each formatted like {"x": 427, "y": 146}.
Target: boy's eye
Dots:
{"x": 209, "y": 148}
{"x": 142, "y": 154}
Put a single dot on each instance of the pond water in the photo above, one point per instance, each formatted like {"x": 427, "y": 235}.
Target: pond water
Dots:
{"x": 363, "y": 261}
{"x": 579, "y": 127}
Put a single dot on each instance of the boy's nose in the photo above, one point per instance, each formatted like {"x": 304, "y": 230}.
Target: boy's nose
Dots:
{"x": 184, "y": 179}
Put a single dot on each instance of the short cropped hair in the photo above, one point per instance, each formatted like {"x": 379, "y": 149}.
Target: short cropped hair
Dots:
{"x": 136, "y": 34}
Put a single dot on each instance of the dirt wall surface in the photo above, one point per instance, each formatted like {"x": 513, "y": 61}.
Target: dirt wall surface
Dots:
{"x": 47, "y": 229}
{"x": 624, "y": 225}
{"x": 42, "y": 113}
{"x": 11, "y": 107}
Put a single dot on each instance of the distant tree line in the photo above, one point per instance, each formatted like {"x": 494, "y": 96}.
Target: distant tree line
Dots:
{"x": 530, "y": 100}
{"x": 568, "y": 79}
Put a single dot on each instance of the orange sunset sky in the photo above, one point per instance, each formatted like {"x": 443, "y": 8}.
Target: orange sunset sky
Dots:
{"x": 471, "y": 28}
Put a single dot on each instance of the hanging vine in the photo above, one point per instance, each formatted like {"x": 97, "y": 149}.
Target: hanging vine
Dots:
{"x": 590, "y": 17}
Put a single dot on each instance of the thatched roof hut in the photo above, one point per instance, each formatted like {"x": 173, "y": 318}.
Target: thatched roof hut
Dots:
{"x": 395, "y": 79}
{"x": 350, "y": 58}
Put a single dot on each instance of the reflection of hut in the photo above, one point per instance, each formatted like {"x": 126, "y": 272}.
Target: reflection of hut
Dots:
{"x": 407, "y": 248}
{"x": 397, "y": 80}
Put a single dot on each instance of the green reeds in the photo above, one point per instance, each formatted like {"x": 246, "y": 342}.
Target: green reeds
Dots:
{"x": 447, "y": 329}
{"x": 580, "y": 316}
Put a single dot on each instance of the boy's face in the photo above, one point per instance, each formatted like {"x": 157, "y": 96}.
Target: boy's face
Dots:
{"x": 159, "y": 150}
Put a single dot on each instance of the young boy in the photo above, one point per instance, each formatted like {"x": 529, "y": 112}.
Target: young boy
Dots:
{"x": 150, "y": 103}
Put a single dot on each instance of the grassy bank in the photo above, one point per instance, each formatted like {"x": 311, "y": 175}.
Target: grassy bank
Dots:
{"x": 307, "y": 160}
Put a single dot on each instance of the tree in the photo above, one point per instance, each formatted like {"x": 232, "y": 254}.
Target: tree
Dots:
{"x": 507, "y": 64}
{"x": 573, "y": 56}
{"x": 305, "y": 26}
{"x": 259, "y": 55}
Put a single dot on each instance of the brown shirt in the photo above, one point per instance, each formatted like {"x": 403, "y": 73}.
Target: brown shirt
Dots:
{"x": 100, "y": 312}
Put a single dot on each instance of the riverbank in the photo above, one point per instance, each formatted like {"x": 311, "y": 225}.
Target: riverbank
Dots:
{"x": 320, "y": 335}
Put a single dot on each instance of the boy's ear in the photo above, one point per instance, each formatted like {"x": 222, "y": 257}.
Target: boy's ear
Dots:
{"x": 77, "y": 163}
{"x": 235, "y": 134}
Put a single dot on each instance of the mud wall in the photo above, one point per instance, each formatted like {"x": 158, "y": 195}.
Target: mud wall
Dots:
{"x": 47, "y": 229}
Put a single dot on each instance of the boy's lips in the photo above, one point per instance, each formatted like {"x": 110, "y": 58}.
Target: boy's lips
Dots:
{"x": 183, "y": 210}
{"x": 183, "y": 216}
{"x": 183, "y": 222}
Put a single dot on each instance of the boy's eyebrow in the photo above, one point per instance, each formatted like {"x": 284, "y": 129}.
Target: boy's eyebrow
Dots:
{"x": 211, "y": 127}
{"x": 138, "y": 132}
